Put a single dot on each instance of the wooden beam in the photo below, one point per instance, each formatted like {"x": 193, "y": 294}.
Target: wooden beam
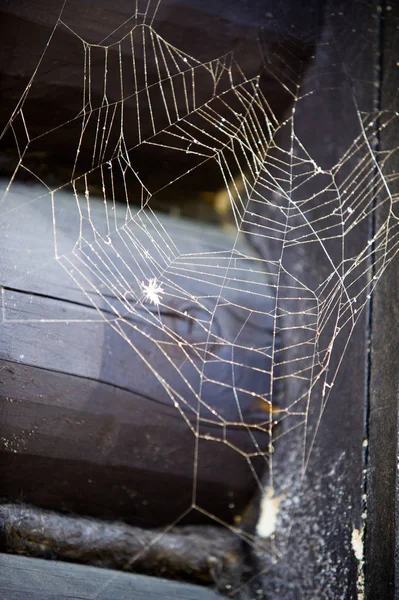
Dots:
{"x": 37, "y": 579}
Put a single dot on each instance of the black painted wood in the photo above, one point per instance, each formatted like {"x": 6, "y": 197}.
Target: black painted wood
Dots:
{"x": 320, "y": 513}
{"x": 197, "y": 28}
{"x": 86, "y": 425}
{"x": 382, "y": 579}
{"x": 320, "y": 562}
{"x": 22, "y": 578}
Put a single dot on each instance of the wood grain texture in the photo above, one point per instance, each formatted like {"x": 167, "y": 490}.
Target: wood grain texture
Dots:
{"x": 86, "y": 425}
{"x": 320, "y": 509}
{"x": 381, "y": 541}
{"x": 196, "y": 28}
{"x": 93, "y": 420}
{"x": 37, "y": 579}
{"x": 203, "y": 554}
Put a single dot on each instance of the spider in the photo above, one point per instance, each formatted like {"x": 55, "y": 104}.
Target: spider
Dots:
{"x": 152, "y": 291}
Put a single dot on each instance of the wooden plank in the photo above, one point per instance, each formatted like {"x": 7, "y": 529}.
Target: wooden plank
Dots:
{"x": 37, "y": 579}
{"x": 321, "y": 511}
{"x": 192, "y": 27}
{"x": 79, "y": 405}
{"x": 382, "y": 541}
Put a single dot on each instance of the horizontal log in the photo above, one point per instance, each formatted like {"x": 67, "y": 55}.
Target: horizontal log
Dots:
{"x": 52, "y": 112}
{"x": 202, "y": 553}
{"x": 104, "y": 413}
{"x": 36, "y": 579}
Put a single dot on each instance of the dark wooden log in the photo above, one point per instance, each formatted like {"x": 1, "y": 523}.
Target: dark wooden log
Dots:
{"x": 22, "y": 578}
{"x": 89, "y": 423}
{"x": 53, "y": 110}
{"x": 205, "y": 554}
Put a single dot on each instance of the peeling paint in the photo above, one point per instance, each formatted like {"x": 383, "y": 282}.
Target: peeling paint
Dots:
{"x": 358, "y": 549}
{"x": 269, "y": 509}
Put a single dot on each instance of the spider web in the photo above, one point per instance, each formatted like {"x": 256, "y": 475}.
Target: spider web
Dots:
{"x": 242, "y": 338}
